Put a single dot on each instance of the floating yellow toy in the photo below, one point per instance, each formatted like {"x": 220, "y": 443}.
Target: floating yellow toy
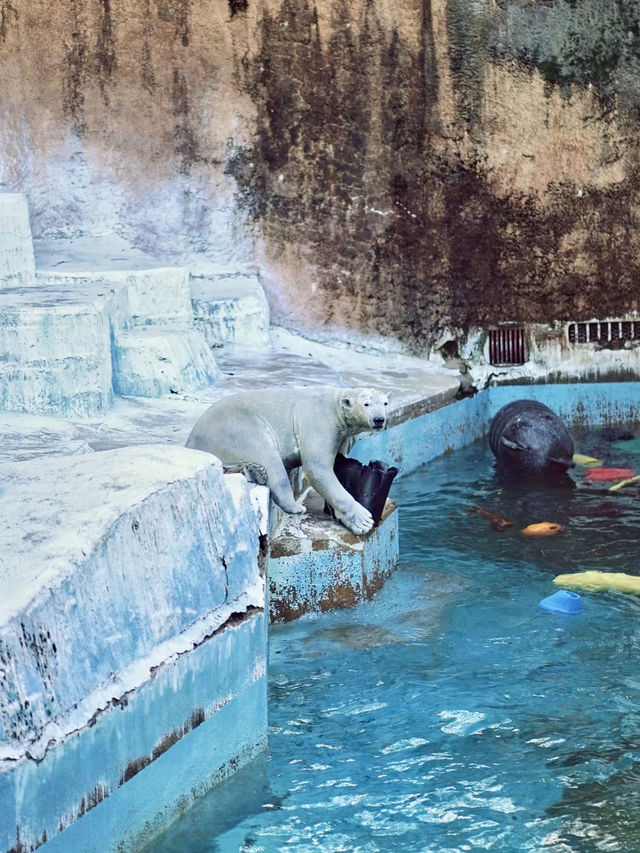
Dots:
{"x": 624, "y": 483}
{"x": 542, "y": 528}
{"x": 593, "y": 580}
{"x": 581, "y": 459}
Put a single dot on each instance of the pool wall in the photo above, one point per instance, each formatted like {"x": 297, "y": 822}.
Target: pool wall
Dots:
{"x": 415, "y": 442}
{"x": 320, "y": 565}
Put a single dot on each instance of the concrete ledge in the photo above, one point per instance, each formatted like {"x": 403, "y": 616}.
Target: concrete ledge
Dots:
{"x": 152, "y": 361}
{"x": 316, "y": 564}
{"x": 132, "y": 614}
{"x": 411, "y": 443}
{"x": 55, "y": 352}
{"x": 17, "y": 264}
{"x": 231, "y": 309}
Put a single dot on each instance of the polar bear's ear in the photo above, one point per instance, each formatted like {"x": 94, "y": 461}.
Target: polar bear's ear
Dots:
{"x": 347, "y": 402}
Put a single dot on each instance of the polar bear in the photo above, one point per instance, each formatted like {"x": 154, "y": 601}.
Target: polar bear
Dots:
{"x": 270, "y": 431}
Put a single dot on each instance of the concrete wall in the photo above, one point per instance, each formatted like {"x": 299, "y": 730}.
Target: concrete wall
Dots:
{"x": 401, "y": 167}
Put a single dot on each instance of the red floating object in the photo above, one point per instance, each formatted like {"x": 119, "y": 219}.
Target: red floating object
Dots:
{"x": 606, "y": 475}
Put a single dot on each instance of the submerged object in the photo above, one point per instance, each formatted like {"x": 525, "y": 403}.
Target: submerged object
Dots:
{"x": 608, "y": 475}
{"x": 562, "y": 601}
{"x": 542, "y": 528}
{"x": 616, "y": 434}
{"x": 606, "y": 509}
{"x": 368, "y": 484}
{"x": 527, "y": 437}
{"x": 594, "y": 580}
{"x": 496, "y": 522}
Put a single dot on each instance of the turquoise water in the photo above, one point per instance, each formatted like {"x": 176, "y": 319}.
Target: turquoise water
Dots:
{"x": 450, "y": 713}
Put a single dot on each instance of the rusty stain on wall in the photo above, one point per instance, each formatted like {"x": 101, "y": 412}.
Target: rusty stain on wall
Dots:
{"x": 138, "y": 764}
{"x": 328, "y": 567}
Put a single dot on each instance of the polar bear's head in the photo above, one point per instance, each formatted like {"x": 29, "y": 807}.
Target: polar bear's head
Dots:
{"x": 365, "y": 408}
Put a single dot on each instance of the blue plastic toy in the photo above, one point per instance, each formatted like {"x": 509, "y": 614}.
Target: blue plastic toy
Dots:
{"x": 562, "y": 601}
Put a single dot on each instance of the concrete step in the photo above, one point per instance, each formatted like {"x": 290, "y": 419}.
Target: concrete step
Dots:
{"x": 153, "y": 361}
{"x": 231, "y": 308}
{"x": 146, "y": 291}
{"x": 316, "y": 564}
{"x": 95, "y": 316}
{"x": 17, "y": 264}
{"x": 56, "y": 351}
{"x": 131, "y": 621}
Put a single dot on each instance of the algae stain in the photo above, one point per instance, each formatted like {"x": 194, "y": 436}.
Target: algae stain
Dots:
{"x": 105, "y": 54}
{"x": 76, "y": 51}
{"x": 176, "y": 12}
{"x": 164, "y": 744}
{"x": 185, "y": 141}
{"x": 421, "y": 242}
{"x": 8, "y": 16}
{"x": 236, "y": 6}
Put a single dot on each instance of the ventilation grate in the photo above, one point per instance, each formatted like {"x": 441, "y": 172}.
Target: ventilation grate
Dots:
{"x": 603, "y": 331}
{"x": 507, "y": 346}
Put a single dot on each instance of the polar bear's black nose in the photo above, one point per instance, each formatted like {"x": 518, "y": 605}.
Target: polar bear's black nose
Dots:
{"x": 378, "y": 422}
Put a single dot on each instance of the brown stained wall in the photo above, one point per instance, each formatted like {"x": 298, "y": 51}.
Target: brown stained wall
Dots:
{"x": 390, "y": 173}
{"x": 425, "y": 185}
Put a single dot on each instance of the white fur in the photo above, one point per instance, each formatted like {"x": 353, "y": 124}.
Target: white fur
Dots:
{"x": 278, "y": 429}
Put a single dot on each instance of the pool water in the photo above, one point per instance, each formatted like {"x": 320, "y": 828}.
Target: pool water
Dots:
{"x": 450, "y": 713}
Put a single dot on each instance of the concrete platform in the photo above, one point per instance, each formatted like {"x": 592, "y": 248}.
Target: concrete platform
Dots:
{"x": 317, "y": 565}
{"x": 133, "y": 614}
{"x": 416, "y": 387}
{"x": 231, "y": 308}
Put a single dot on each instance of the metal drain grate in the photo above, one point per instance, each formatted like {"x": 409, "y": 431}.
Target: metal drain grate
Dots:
{"x": 507, "y": 346}
{"x": 603, "y": 331}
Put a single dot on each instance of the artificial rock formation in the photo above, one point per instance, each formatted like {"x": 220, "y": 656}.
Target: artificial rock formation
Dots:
{"x": 394, "y": 167}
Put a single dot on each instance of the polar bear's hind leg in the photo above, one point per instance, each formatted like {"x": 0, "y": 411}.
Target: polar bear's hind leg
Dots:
{"x": 277, "y": 480}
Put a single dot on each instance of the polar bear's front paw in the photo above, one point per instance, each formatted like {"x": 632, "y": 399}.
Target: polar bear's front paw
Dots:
{"x": 358, "y": 520}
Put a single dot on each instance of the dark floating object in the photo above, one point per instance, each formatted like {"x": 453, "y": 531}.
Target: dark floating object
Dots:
{"x": 368, "y": 484}
{"x": 608, "y": 509}
{"x": 612, "y": 434}
{"x": 527, "y": 437}
{"x": 496, "y": 522}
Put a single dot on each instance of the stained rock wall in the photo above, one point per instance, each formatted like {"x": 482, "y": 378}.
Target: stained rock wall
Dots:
{"x": 394, "y": 167}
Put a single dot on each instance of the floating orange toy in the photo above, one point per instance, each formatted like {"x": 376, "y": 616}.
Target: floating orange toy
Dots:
{"x": 606, "y": 475}
{"x": 542, "y": 528}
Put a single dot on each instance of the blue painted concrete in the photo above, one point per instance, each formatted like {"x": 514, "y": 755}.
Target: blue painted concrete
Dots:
{"x": 580, "y": 404}
{"x": 225, "y": 678}
{"x": 327, "y": 567}
{"x": 132, "y": 615}
{"x": 413, "y": 443}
